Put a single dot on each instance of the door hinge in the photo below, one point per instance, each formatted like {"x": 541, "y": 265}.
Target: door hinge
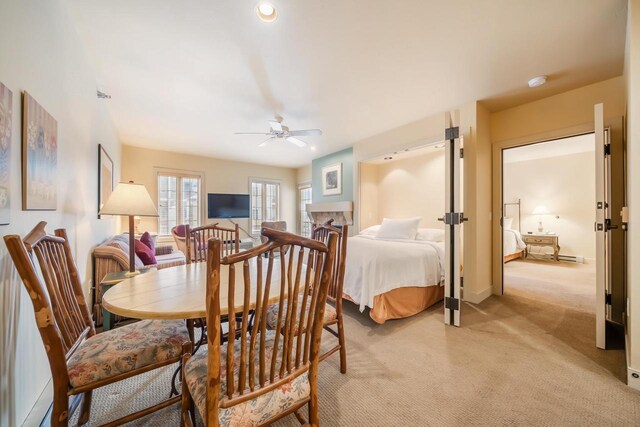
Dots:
{"x": 607, "y": 149}
{"x": 462, "y": 153}
{"x": 607, "y": 298}
{"x": 452, "y": 133}
{"x": 451, "y": 303}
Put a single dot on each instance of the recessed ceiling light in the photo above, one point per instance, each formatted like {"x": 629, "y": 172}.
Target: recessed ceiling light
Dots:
{"x": 266, "y": 12}
{"x": 313, "y": 148}
{"x": 388, "y": 158}
{"x": 537, "y": 81}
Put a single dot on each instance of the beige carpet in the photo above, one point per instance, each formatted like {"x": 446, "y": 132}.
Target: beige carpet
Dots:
{"x": 514, "y": 362}
{"x": 563, "y": 283}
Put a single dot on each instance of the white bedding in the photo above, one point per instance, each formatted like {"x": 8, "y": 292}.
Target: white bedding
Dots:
{"x": 512, "y": 242}
{"x": 376, "y": 266}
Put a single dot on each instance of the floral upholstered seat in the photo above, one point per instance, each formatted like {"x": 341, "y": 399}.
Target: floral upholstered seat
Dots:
{"x": 252, "y": 412}
{"x": 124, "y": 349}
{"x": 330, "y": 313}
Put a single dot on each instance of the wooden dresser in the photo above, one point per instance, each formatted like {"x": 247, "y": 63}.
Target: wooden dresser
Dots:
{"x": 550, "y": 240}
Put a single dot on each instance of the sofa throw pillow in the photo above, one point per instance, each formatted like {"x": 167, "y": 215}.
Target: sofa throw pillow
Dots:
{"x": 148, "y": 240}
{"x": 145, "y": 253}
{"x": 400, "y": 229}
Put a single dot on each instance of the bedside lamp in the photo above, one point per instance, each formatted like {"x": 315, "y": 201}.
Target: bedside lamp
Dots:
{"x": 540, "y": 210}
{"x": 132, "y": 200}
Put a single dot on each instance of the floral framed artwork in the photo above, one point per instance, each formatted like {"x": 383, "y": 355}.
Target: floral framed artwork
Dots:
{"x": 105, "y": 177}
{"x": 332, "y": 180}
{"x": 39, "y": 157}
{"x": 6, "y": 116}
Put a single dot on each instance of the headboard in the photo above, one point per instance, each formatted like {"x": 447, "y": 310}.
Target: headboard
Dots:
{"x": 504, "y": 212}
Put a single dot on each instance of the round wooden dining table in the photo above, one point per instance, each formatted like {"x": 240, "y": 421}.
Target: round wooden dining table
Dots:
{"x": 180, "y": 292}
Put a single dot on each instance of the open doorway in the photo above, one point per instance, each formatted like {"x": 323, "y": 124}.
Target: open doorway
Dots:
{"x": 549, "y": 245}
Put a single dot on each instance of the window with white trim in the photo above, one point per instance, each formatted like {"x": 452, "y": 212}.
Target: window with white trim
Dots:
{"x": 179, "y": 200}
{"x": 265, "y": 203}
{"x": 304, "y": 198}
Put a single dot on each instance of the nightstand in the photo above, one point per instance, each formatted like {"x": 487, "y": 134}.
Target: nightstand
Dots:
{"x": 550, "y": 240}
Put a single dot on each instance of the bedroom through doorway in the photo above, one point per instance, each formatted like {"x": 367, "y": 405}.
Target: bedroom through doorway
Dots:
{"x": 549, "y": 244}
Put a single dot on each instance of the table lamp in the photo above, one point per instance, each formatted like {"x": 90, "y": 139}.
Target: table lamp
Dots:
{"x": 540, "y": 210}
{"x": 132, "y": 200}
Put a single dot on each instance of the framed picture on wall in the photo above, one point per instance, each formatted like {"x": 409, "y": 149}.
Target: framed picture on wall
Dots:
{"x": 39, "y": 157}
{"x": 105, "y": 177}
{"x": 6, "y": 116}
{"x": 332, "y": 180}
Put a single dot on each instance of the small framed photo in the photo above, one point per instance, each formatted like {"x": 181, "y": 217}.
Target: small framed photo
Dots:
{"x": 332, "y": 180}
{"x": 105, "y": 177}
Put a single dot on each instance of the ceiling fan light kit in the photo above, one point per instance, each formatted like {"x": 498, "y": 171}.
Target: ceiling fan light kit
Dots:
{"x": 279, "y": 131}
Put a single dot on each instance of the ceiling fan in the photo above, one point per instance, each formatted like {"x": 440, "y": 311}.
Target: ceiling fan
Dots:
{"x": 279, "y": 131}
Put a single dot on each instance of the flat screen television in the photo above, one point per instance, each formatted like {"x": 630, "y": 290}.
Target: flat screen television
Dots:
{"x": 228, "y": 205}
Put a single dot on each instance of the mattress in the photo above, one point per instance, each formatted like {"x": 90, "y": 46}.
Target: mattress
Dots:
{"x": 375, "y": 267}
{"x": 512, "y": 242}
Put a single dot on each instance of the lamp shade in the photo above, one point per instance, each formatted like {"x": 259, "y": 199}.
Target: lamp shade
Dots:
{"x": 129, "y": 199}
{"x": 541, "y": 210}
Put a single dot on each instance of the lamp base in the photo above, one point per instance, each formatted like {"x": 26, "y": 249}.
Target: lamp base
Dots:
{"x": 540, "y": 227}
{"x": 131, "y": 273}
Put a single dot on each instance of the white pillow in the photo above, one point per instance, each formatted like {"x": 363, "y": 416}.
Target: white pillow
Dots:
{"x": 370, "y": 231}
{"x": 430, "y": 234}
{"x": 508, "y": 222}
{"x": 404, "y": 229}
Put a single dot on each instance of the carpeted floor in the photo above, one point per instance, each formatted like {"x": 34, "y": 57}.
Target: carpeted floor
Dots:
{"x": 568, "y": 284}
{"x": 514, "y": 361}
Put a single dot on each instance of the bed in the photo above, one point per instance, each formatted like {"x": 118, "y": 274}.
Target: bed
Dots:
{"x": 395, "y": 278}
{"x": 512, "y": 244}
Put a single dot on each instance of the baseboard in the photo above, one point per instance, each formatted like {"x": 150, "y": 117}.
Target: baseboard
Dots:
{"x": 39, "y": 414}
{"x": 478, "y": 297}
{"x": 633, "y": 378}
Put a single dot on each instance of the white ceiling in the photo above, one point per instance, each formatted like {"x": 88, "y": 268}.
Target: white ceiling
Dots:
{"x": 544, "y": 150}
{"x": 185, "y": 75}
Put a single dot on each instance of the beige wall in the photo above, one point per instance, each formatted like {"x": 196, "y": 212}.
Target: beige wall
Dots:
{"x": 221, "y": 176}
{"x": 405, "y": 188}
{"x": 566, "y": 186}
{"x": 632, "y": 76}
{"x": 303, "y": 174}
{"x": 368, "y": 192}
{"x": 40, "y": 53}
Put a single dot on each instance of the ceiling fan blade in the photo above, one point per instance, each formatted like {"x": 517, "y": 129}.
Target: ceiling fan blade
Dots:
{"x": 265, "y": 142}
{"x": 296, "y": 141}
{"x": 251, "y": 133}
{"x": 306, "y": 132}
{"x": 277, "y": 126}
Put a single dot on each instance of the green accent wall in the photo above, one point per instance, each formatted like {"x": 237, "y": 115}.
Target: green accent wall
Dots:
{"x": 346, "y": 158}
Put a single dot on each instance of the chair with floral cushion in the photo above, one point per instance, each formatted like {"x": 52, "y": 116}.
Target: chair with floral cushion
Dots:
{"x": 80, "y": 360}
{"x": 265, "y": 374}
{"x": 333, "y": 313}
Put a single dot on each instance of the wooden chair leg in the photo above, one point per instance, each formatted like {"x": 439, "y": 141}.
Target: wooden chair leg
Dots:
{"x": 187, "y": 410}
{"x": 85, "y": 411}
{"x": 60, "y": 410}
{"x": 343, "y": 347}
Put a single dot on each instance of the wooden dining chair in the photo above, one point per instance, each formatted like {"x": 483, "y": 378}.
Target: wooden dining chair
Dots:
{"x": 333, "y": 313}
{"x": 198, "y": 237}
{"x": 266, "y": 374}
{"x": 81, "y": 360}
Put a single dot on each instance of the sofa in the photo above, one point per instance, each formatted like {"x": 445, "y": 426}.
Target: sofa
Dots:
{"x": 113, "y": 255}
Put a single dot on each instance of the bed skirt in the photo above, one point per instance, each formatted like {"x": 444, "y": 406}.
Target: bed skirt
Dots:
{"x": 404, "y": 302}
